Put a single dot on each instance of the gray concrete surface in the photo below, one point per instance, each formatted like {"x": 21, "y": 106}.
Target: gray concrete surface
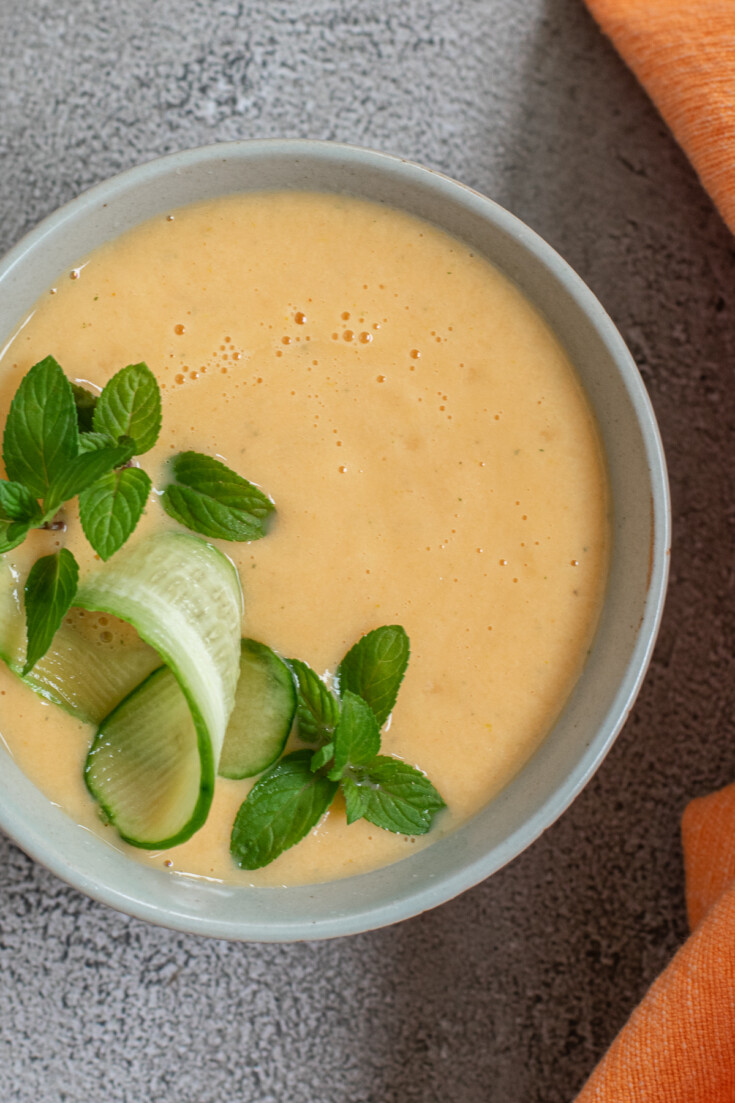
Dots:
{"x": 513, "y": 991}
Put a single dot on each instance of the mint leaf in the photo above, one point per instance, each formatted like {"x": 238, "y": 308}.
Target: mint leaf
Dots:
{"x": 317, "y": 710}
{"x": 321, "y": 757}
{"x": 18, "y": 504}
{"x": 41, "y": 435}
{"x": 130, "y": 406}
{"x": 392, "y": 795}
{"x": 12, "y": 533}
{"x": 91, "y": 442}
{"x": 356, "y": 737}
{"x": 19, "y": 512}
{"x": 84, "y": 470}
{"x": 280, "y": 809}
{"x": 208, "y": 517}
{"x": 49, "y": 593}
{"x": 215, "y": 501}
{"x": 111, "y": 508}
{"x": 374, "y": 668}
{"x": 216, "y": 480}
{"x": 85, "y": 402}
{"x": 356, "y": 792}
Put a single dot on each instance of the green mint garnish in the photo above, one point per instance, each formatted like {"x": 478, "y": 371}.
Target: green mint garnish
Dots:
{"x": 290, "y": 798}
{"x": 210, "y": 499}
{"x": 85, "y": 402}
{"x": 392, "y": 795}
{"x": 356, "y": 737}
{"x": 374, "y": 668}
{"x": 282, "y": 807}
{"x": 12, "y": 533}
{"x": 92, "y": 442}
{"x": 61, "y": 441}
{"x": 111, "y": 508}
{"x": 130, "y": 406}
{"x": 317, "y": 709}
{"x": 85, "y": 470}
{"x": 18, "y": 504}
{"x": 321, "y": 757}
{"x": 49, "y": 593}
{"x": 41, "y": 435}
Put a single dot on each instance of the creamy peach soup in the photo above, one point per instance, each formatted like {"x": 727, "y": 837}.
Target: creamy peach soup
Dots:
{"x": 432, "y": 458}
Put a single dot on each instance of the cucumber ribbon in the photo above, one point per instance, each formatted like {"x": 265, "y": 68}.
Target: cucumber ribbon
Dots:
{"x": 162, "y": 702}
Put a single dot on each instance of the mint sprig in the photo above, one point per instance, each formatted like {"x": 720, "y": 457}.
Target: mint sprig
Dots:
{"x": 386, "y": 791}
{"x": 392, "y": 795}
{"x": 46, "y": 456}
{"x": 282, "y": 807}
{"x": 211, "y": 499}
{"x": 49, "y": 593}
{"x": 61, "y": 441}
{"x": 317, "y": 709}
{"x": 93, "y": 442}
{"x": 322, "y": 757}
{"x": 110, "y": 509}
{"x": 84, "y": 470}
{"x": 374, "y": 668}
{"x": 12, "y": 533}
{"x": 18, "y": 504}
{"x": 41, "y": 436}
{"x": 356, "y": 737}
{"x": 130, "y": 406}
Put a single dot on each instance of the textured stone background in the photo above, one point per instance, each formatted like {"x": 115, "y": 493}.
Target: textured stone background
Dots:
{"x": 513, "y": 991}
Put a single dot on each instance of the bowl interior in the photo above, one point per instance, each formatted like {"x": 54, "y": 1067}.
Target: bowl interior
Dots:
{"x": 607, "y": 687}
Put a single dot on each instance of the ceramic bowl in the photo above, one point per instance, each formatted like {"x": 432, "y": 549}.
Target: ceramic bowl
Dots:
{"x": 607, "y": 688}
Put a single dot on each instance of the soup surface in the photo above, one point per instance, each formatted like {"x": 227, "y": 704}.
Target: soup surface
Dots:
{"x": 433, "y": 461}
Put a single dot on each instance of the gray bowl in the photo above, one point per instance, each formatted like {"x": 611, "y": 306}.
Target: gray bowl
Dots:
{"x": 607, "y": 688}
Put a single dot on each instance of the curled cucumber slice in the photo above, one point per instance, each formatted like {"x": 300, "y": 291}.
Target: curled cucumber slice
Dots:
{"x": 265, "y": 703}
{"x": 153, "y": 762}
{"x": 12, "y": 640}
{"x": 87, "y": 670}
{"x": 145, "y": 766}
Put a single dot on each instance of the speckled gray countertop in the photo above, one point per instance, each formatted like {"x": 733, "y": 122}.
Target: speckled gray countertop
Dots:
{"x": 514, "y": 990}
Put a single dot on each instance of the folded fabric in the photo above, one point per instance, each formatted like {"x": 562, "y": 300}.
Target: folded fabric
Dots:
{"x": 679, "y": 1044}
{"x": 683, "y": 53}
{"x": 708, "y": 836}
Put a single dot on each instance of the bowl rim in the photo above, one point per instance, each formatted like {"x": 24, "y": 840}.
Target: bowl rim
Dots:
{"x": 26, "y": 834}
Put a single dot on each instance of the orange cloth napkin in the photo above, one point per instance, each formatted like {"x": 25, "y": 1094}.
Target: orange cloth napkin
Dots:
{"x": 683, "y": 53}
{"x": 679, "y": 1044}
